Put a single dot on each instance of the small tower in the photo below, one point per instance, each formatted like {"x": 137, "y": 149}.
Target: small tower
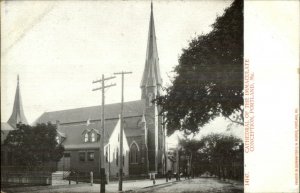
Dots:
{"x": 151, "y": 88}
{"x": 17, "y": 115}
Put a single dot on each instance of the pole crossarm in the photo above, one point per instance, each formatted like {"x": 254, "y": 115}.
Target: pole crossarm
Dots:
{"x": 100, "y": 88}
{"x": 100, "y": 80}
{"x": 117, "y": 73}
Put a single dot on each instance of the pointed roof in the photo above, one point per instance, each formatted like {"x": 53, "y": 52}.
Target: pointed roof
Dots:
{"x": 151, "y": 75}
{"x": 17, "y": 115}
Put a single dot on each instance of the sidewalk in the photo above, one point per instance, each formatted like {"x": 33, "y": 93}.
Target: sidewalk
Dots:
{"x": 138, "y": 184}
{"x": 128, "y": 186}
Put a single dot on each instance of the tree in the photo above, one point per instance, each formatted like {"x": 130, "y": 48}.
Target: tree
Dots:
{"x": 209, "y": 78}
{"x": 222, "y": 151}
{"x": 191, "y": 147}
{"x": 218, "y": 154}
{"x": 33, "y": 146}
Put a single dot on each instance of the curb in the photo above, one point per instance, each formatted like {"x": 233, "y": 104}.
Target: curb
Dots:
{"x": 153, "y": 186}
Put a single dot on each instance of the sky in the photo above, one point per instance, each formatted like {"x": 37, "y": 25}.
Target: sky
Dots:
{"x": 59, "y": 47}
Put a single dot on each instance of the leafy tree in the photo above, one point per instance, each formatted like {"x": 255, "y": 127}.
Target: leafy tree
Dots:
{"x": 33, "y": 146}
{"x": 209, "y": 77}
{"x": 191, "y": 148}
{"x": 218, "y": 154}
{"x": 222, "y": 151}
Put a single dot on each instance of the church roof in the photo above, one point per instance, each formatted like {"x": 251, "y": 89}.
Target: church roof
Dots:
{"x": 112, "y": 111}
{"x": 17, "y": 115}
{"x": 73, "y": 122}
{"x": 74, "y": 138}
{"x": 151, "y": 75}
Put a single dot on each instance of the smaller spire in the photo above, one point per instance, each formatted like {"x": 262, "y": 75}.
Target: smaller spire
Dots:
{"x": 17, "y": 115}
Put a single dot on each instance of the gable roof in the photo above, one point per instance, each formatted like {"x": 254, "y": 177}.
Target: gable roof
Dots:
{"x": 73, "y": 122}
{"x": 74, "y": 132}
{"x": 132, "y": 108}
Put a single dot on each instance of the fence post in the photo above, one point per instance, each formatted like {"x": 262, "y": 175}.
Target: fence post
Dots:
{"x": 76, "y": 177}
{"x": 153, "y": 178}
{"x": 91, "y": 174}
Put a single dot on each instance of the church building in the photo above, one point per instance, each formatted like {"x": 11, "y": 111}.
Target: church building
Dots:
{"x": 79, "y": 130}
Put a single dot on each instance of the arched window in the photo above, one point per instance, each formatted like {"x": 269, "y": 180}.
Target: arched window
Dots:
{"x": 86, "y": 137}
{"x": 93, "y": 137}
{"x": 133, "y": 155}
{"x": 117, "y": 157}
{"x": 123, "y": 159}
{"x": 150, "y": 98}
{"x": 106, "y": 156}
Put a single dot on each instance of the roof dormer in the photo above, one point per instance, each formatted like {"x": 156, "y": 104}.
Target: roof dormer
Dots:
{"x": 91, "y": 135}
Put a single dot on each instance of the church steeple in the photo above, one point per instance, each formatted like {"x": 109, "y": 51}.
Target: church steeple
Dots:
{"x": 151, "y": 76}
{"x": 17, "y": 115}
{"x": 151, "y": 87}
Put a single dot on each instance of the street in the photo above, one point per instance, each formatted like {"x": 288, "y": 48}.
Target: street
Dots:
{"x": 205, "y": 185}
{"x": 199, "y": 185}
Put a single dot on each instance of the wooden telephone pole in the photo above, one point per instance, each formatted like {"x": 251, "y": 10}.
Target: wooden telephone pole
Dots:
{"x": 165, "y": 148}
{"x": 101, "y": 152}
{"x": 121, "y": 131}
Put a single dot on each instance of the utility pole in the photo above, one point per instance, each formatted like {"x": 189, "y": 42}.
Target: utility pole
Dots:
{"x": 101, "y": 152}
{"x": 165, "y": 149}
{"x": 121, "y": 130}
{"x": 178, "y": 160}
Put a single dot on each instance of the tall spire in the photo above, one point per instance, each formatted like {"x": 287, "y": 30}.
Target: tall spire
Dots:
{"x": 151, "y": 75}
{"x": 17, "y": 115}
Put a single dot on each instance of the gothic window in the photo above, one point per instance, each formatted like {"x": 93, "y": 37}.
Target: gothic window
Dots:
{"x": 93, "y": 137}
{"x": 123, "y": 159}
{"x": 86, "y": 137}
{"x": 133, "y": 155}
{"x": 106, "y": 155}
{"x": 150, "y": 98}
{"x": 117, "y": 157}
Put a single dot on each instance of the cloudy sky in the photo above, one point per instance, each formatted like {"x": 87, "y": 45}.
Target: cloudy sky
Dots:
{"x": 59, "y": 48}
